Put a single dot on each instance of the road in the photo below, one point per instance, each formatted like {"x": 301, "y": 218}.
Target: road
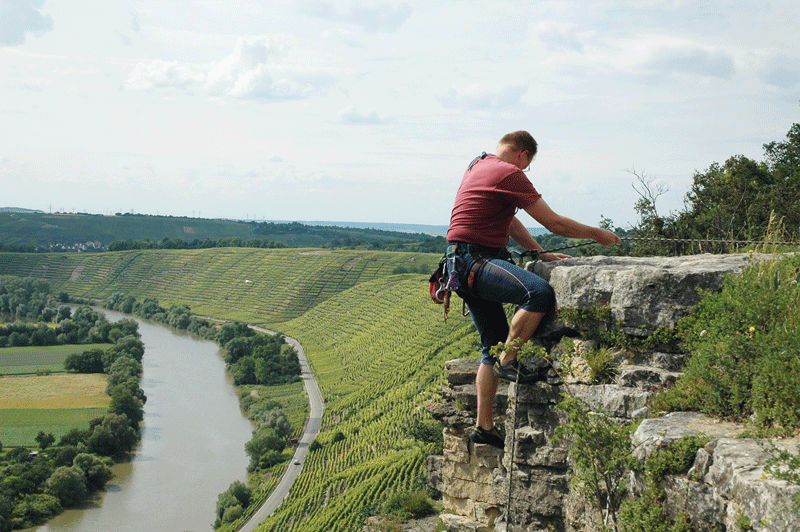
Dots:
{"x": 309, "y": 433}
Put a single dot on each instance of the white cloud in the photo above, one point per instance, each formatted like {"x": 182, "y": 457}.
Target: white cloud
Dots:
{"x": 162, "y": 74}
{"x": 481, "y": 96}
{"x": 244, "y": 70}
{"x": 380, "y": 17}
{"x": 19, "y": 17}
{"x": 250, "y": 71}
{"x": 349, "y": 115}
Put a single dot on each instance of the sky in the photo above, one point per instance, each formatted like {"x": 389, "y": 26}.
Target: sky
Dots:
{"x": 370, "y": 111}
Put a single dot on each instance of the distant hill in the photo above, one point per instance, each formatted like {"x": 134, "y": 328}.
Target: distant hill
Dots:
{"x": 33, "y": 229}
{"x": 36, "y": 229}
{"x": 433, "y": 230}
{"x": 18, "y": 209}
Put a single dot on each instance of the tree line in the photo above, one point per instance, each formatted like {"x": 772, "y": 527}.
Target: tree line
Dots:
{"x": 741, "y": 199}
{"x": 29, "y": 310}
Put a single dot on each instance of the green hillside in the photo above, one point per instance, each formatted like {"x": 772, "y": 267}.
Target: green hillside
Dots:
{"x": 41, "y": 230}
{"x": 376, "y": 343}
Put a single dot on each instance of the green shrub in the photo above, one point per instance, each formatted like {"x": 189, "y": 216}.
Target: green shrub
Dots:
{"x": 408, "y": 504}
{"x": 675, "y": 458}
{"x": 646, "y": 513}
{"x": 34, "y": 509}
{"x": 744, "y": 342}
{"x": 601, "y": 364}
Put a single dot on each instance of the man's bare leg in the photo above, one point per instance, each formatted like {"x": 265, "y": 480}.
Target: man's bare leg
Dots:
{"x": 523, "y": 325}
{"x": 486, "y": 387}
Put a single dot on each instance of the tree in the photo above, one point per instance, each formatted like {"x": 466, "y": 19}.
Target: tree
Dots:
{"x": 263, "y": 442}
{"x": 231, "y": 502}
{"x": 64, "y": 313}
{"x": 125, "y": 402}
{"x": 74, "y": 437}
{"x": 122, "y": 370}
{"x": 44, "y": 440}
{"x": 783, "y": 160}
{"x": 231, "y": 330}
{"x": 113, "y": 436}
{"x": 95, "y": 470}
{"x": 67, "y": 484}
{"x": 35, "y": 508}
{"x": 244, "y": 371}
{"x": 276, "y": 420}
{"x": 89, "y": 361}
{"x": 237, "y": 348}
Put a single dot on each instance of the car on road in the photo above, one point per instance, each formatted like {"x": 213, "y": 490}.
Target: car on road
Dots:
{"x": 297, "y": 462}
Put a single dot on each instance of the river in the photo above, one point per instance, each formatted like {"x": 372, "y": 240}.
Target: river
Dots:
{"x": 192, "y": 446}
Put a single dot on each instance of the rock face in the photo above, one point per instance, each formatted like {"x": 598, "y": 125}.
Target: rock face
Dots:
{"x": 726, "y": 486}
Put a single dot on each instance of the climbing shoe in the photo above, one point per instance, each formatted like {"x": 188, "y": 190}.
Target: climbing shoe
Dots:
{"x": 514, "y": 372}
{"x": 486, "y": 437}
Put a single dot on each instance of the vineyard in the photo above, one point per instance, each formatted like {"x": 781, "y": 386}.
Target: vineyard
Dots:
{"x": 375, "y": 341}
{"x": 378, "y": 351}
{"x": 258, "y": 286}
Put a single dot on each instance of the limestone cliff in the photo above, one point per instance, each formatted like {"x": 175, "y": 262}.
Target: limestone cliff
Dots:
{"x": 726, "y": 485}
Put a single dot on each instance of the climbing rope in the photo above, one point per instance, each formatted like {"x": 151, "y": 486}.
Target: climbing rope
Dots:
{"x": 675, "y": 240}
{"x": 511, "y": 456}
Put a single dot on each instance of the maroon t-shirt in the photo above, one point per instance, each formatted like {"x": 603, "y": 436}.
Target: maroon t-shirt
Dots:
{"x": 490, "y": 193}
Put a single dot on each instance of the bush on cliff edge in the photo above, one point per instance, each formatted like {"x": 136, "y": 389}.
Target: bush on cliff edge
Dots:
{"x": 744, "y": 343}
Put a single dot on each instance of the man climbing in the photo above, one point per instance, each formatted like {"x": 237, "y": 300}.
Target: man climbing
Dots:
{"x": 483, "y": 219}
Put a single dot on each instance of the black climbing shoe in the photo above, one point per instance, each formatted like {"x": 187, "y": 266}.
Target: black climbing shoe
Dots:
{"x": 487, "y": 437}
{"x": 514, "y": 372}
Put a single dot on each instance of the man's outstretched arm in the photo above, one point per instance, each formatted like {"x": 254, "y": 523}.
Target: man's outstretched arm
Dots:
{"x": 567, "y": 227}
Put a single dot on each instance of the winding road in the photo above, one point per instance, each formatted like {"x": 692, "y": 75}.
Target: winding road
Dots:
{"x": 309, "y": 433}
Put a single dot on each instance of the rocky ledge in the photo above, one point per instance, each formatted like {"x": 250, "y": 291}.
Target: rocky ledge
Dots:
{"x": 726, "y": 487}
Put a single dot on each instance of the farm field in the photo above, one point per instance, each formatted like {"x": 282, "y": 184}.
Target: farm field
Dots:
{"x": 50, "y": 403}
{"x": 25, "y": 360}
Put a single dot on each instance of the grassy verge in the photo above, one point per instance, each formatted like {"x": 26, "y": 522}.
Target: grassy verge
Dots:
{"x": 26, "y": 360}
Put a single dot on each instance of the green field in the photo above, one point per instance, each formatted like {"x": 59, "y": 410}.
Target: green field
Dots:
{"x": 25, "y": 360}
{"x": 375, "y": 341}
{"x": 19, "y": 427}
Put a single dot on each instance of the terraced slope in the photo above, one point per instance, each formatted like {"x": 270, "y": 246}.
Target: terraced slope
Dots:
{"x": 256, "y": 285}
{"x": 378, "y": 351}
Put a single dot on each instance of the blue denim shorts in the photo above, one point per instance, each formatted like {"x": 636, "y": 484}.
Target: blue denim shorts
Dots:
{"x": 497, "y": 281}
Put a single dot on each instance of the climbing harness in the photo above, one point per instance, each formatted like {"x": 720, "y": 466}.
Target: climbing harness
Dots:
{"x": 444, "y": 280}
